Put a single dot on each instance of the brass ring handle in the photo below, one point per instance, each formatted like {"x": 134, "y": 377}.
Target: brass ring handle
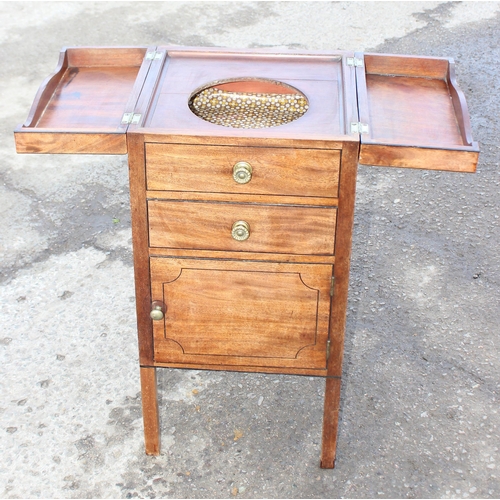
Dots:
{"x": 242, "y": 172}
{"x": 240, "y": 230}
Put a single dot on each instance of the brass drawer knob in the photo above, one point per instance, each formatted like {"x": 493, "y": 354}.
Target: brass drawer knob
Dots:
{"x": 158, "y": 310}
{"x": 241, "y": 230}
{"x": 242, "y": 172}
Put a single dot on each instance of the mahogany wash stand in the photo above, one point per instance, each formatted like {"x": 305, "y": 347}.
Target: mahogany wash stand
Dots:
{"x": 242, "y": 184}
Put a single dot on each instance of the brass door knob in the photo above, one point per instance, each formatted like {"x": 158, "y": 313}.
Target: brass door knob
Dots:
{"x": 157, "y": 313}
{"x": 240, "y": 230}
{"x": 242, "y": 172}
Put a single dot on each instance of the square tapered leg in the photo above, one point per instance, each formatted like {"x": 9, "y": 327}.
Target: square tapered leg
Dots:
{"x": 330, "y": 423}
{"x": 150, "y": 411}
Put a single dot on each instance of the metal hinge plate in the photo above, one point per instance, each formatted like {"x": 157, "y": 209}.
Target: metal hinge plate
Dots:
{"x": 328, "y": 349}
{"x": 354, "y": 61}
{"x": 332, "y": 286}
{"x": 154, "y": 55}
{"x": 359, "y": 128}
{"x": 130, "y": 118}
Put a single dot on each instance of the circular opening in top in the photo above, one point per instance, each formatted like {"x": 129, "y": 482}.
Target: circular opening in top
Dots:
{"x": 248, "y": 103}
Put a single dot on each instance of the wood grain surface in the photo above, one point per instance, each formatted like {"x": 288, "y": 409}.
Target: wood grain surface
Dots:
{"x": 242, "y": 313}
{"x": 140, "y": 242}
{"x": 150, "y": 414}
{"x": 275, "y": 171}
{"x": 330, "y": 423}
{"x": 285, "y": 370}
{"x": 32, "y": 141}
{"x": 91, "y": 98}
{"x": 412, "y": 111}
{"x": 406, "y": 65}
{"x": 79, "y": 108}
{"x": 414, "y": 157}
{"x": 416, "y": 114}
{"x": 273, "y": 228}
{"x": 216, "y": 254}
{"x": 343, "y": 245}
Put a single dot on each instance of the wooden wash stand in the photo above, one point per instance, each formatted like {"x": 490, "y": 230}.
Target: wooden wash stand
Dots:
{"x": 242, "y": 236}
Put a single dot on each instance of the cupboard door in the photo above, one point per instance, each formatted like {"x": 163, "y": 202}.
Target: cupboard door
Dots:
{"x": 241, "y": 313}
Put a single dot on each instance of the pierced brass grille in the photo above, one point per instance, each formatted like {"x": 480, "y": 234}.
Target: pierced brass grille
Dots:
{"x": 247, "y": 109}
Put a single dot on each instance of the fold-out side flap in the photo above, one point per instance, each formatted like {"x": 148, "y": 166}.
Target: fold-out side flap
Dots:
{"x": 413, "y": 114}
{"x": 87, "y": 104}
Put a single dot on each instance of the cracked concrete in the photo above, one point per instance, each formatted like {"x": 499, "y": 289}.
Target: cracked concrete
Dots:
{"x": 420, "y": 397}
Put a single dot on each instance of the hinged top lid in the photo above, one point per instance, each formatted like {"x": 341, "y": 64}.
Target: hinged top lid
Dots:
{"x": 87, "y": 104}
{"x": 417, "y": 116}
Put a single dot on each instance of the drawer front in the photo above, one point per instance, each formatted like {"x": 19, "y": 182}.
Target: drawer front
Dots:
{"x": 241, "y": 313}
{"x": 274, "y": 171}
{"x": 272, "y": 228}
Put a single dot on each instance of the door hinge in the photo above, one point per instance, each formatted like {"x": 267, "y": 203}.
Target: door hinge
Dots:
{"x": 332, "y": 286}
{"x": 328, "y": 349}
{"x": 354, "y": 61}
{"x": 154, "y": 55}
{"x": 359, "y": 128}
{"x": 130, "y": 118}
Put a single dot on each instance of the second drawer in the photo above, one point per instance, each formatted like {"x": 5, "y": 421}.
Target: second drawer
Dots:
{"x": 214, "y": 226}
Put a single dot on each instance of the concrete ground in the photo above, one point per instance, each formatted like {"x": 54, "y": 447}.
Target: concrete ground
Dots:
{"x": 420, "y": 400}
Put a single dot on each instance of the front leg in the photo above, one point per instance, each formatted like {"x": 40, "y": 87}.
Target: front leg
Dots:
{"x": 330, "y": 423}
{"x": 150, "y": 413}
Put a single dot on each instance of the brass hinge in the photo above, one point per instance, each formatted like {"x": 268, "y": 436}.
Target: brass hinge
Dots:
{"x": 130, "y": 118}
{"x": 332, "y": 286}
{"x": 354, "y": 61}
{"x": 328, "y": 349}
{"x": 359, "y": 128}
{"x": 154, "y": 55}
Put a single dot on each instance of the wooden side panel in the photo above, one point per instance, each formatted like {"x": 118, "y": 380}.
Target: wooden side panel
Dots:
{"x": 241, "y": 313}
{"x": 208, "y": 226}
{"x": 403, "y": 65}
{"x": 46, "y": 90}
{"x": 140, "y": 244}
{"x": 30, "y": 141}
{"x": 460, "y": 106}
{"x": 345, "y": 222}
{"x": 413, "y": 157}
{"x": 106, "y": 56}
{"x": 275, "y": 171}
{"x": 343, "y": 246}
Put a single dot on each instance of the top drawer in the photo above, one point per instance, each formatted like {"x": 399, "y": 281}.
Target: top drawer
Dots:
{"x": 274, "y": 171}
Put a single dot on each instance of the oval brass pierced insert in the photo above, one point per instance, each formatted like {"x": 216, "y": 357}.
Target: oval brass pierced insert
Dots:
{"x": 248, "y": 103}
